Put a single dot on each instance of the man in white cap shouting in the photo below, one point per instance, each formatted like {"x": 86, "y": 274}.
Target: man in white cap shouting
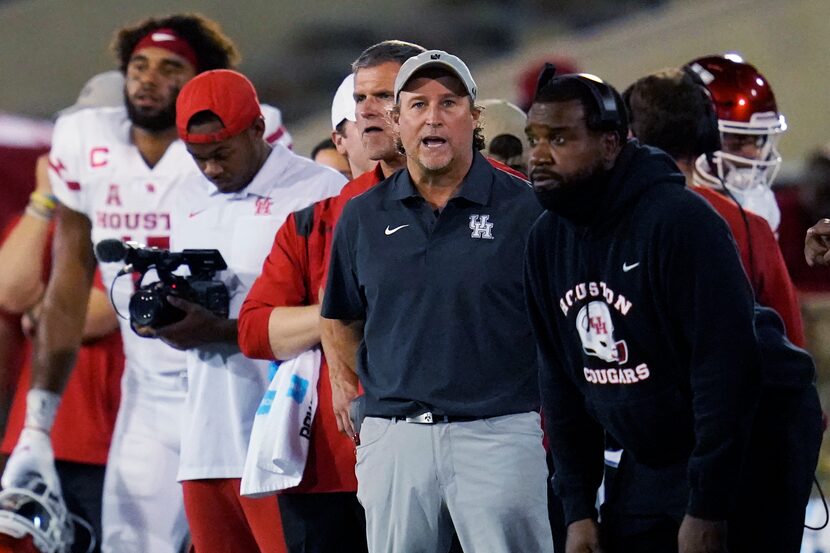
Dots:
{"x": 452, "y": 437}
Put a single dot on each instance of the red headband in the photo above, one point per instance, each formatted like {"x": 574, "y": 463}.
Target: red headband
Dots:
{"x": 170, "y": 41}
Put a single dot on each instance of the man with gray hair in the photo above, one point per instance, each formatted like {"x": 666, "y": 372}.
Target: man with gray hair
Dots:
{"x": 452, "y": 435}
{"x": 374, "y": 80}
{"x": 322, "y": 514}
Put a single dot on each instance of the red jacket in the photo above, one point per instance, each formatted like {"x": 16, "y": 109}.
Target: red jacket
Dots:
{"x": 292, "y": 275}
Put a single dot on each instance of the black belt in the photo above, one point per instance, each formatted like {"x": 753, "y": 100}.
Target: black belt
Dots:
{"x": 429, "y": 418}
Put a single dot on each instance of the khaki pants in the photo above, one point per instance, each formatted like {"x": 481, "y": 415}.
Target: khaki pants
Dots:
{"x": 486, "y": 478}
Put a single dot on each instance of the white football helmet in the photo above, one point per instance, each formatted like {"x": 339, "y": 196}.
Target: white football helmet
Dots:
{"x": 596, "y": 331}
{"x": 36, "y": 514}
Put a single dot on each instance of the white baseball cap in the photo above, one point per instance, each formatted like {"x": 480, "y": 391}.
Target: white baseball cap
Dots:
{"x": 435, "y": 58}
{"x": 103, "y": 90}
{"x": 342, "y": 107}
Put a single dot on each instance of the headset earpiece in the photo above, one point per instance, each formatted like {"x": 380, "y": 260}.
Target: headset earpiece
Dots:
{"x": 609, "y": 114}
{"x": 707, "y": 140}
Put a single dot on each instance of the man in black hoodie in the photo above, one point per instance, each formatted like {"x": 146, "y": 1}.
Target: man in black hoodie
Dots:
{"x": 644, "y": 324}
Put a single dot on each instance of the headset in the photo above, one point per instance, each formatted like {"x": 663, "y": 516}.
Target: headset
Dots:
{"x": 604, "y": 98}
{"x": 707, "y": 140}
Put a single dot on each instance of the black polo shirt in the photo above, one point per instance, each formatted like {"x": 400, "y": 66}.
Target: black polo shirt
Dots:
{"x": 446, "y": 328}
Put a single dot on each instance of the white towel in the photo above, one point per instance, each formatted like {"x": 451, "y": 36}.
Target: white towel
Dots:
{"x": 281, "y": 434}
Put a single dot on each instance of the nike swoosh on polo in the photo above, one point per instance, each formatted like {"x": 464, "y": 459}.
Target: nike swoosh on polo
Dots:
{"x": 389, "y": 231}
{"x": 195, "y": 213}
{"x": 627, "y": 267}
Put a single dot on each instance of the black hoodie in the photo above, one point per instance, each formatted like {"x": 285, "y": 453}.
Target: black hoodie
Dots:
{"x": 644, "y": 324}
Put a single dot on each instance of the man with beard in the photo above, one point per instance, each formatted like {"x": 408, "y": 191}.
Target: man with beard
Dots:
{"x": 113, "y": 171}
{"x": 644, "y": 324}
{"x": 425, "y": 300}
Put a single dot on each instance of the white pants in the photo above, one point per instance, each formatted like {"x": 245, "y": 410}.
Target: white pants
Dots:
{"x": 487, "y": 478}
{"x": 143, "y": 509}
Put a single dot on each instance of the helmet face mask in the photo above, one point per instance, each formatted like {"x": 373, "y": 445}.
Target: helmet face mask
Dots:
{"x": 747, "y": 160}
{"x": 36, "y": 513}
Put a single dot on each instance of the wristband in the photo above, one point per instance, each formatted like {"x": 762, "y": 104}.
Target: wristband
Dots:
{"x": 41, "y": 408}
{"x": 33, "y": 210}
{"x": 45, "y": 201}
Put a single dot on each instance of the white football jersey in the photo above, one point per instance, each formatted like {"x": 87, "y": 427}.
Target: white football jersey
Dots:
{"x": 224, "y": 387}
{"x": 96, "y": 170}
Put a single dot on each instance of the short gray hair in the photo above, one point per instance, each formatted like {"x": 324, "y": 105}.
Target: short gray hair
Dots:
{"x": 386, "y": 51}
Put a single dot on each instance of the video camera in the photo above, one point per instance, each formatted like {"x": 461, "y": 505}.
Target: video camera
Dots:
{"x": 149, "y": 305}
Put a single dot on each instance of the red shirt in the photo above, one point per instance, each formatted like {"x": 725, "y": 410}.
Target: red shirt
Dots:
{"x": 292, "y": 275}
{"x": 86, "y": 416}
{"x": 762, "y": 261}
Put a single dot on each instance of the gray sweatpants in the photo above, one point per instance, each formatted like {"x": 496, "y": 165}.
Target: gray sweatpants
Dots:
{"x": 487, "y": 478}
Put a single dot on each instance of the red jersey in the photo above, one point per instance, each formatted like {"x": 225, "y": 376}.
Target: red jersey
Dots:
{"x": 762, "y": 261}
{"x": 86, "y": 416}
{"x": 292, "y": 275}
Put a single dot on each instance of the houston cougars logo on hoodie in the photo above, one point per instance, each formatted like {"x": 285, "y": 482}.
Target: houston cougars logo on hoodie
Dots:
{"x": 595, "y": 326}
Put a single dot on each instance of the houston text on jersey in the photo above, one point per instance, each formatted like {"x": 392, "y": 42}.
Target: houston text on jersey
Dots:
{"x": 112, "y": 220}
{"x": 584, "y": 290}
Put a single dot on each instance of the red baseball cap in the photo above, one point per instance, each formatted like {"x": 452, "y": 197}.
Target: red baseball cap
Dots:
{"x": 227, "y": 94}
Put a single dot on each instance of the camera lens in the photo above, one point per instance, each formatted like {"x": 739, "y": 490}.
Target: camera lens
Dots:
{"x": 145, "y": 307}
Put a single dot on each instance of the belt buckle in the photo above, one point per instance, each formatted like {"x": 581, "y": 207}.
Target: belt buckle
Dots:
{"x": 423, "y": 418}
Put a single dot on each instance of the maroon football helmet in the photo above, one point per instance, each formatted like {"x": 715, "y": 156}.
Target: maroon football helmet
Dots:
{"x": 750, "y": 126}
{"x": 748, "y": 119}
